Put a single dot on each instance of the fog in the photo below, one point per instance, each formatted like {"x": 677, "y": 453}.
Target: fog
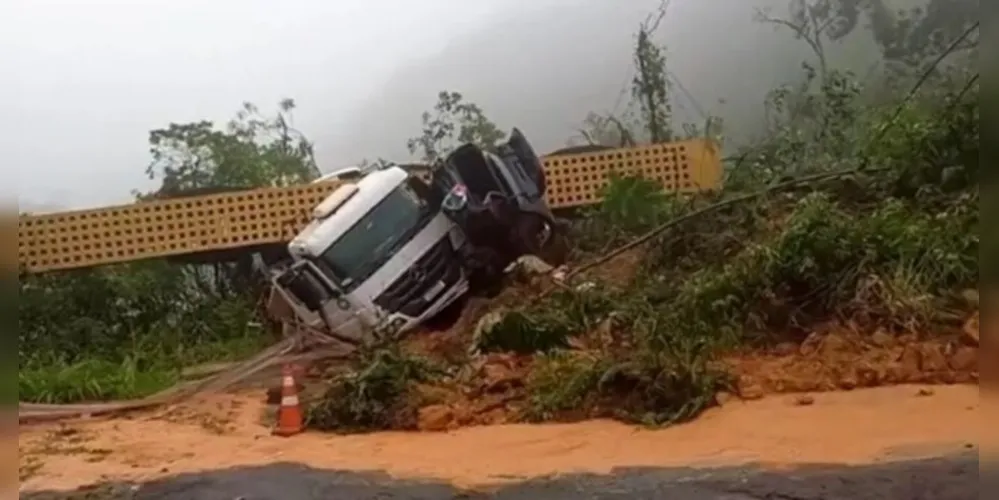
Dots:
{"x": 85, "y": 81}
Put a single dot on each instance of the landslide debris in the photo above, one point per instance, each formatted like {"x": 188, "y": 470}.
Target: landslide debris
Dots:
{"x": 854, "y": 278}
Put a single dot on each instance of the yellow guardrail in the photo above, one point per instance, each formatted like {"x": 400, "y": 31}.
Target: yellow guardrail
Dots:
{"x": 243, "y": 219}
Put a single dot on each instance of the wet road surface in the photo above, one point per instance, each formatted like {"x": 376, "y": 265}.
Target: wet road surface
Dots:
{"x": 951, "y": 478}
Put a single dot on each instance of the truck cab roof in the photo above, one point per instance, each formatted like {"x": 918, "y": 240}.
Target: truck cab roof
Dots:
{"x": 319, "y": 234}
{"x": 347, "y": 173}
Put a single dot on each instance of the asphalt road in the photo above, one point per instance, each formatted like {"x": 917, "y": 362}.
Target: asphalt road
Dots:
{"x": 951, "y": 478}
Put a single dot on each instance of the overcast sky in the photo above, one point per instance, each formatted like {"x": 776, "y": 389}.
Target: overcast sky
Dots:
{"x": 85, "y": 80}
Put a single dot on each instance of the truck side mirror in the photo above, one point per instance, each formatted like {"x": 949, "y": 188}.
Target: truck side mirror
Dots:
{"x": 456, "y": 199}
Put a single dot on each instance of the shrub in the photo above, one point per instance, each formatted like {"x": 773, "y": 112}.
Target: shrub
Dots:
{"x": 373, "y": 395}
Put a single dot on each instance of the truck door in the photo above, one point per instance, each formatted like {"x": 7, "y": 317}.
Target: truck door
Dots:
{"x": 307, "y": 284}
{"x": 517, "y": 180}
{"x": 529, "y": 160}
{"x": 443, "y": 179}
{"x": 469, "y": 163}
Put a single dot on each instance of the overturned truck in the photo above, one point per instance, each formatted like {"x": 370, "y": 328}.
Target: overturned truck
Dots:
{"x": 388, "y": 251}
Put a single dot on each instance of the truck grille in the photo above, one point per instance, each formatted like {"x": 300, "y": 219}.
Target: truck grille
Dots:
{"x": 407, "y": 293}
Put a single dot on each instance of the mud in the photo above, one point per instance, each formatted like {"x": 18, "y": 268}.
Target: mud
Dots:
{"x": 846, "y": 359}
{"x": 858, "y": 427}
{"x": 836, "y": 356}
{"x": 493, "y": 389}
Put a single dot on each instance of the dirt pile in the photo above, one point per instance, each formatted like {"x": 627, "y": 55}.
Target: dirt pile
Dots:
{"x": 492, "y": 392}
{"x": 847, "y": 360}
{"x": 496, "y": 388}
{"x": 493, "y": 388}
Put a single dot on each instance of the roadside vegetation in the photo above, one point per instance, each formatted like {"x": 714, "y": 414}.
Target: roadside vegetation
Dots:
{"x": 859, "y": 205}
{"x": 127, "y": 331}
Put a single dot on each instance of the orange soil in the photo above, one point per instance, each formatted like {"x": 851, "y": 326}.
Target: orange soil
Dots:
{"x": 839, "y": 358}
{"x": 841, "y": 427}
{"x": 853, "y": 427}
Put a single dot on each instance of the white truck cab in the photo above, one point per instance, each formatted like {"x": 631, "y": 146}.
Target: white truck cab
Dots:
{"x": 385, "y": 252}
{"x": 380, "y": 258}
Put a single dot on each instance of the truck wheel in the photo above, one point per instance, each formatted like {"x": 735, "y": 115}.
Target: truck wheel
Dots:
{"x": 556, "y": 252}
{"x": 536, "y": 236}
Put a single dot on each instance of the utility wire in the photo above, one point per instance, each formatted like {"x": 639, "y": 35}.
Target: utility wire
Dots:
{"x": 675, "y": 80}
{"x": 793, "y": 182}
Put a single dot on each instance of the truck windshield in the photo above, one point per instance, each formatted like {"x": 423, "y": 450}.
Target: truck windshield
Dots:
{"x": 373, "y": 239}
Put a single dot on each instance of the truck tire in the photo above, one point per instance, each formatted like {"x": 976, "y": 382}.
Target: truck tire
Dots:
{"x": 535, "y": 234}
{"x": 556, "y": 251}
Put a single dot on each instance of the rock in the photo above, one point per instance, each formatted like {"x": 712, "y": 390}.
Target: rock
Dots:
{"x": 804, "y": 400}
{"x": 749, "y": 389}
{"x": 964, "y": 359}
{"x": 910, "y": 364}
{"x": 918, "y": 360}
{"x": 870, "y": 376}
{"x": 933, "y": 358}
{"x": 971, "y": 329}
{"x": 488, "y": 321}
{"x": 893, "y": 375}
{"x": 435, "y": 418}
{"x": 811, "y": 344}
{"x": 604, "y": 333}
{"x": 496, "y": 416}
{"x": 461, "y": 416}
{"x": 433, "y": 394}
{"x": 722, "y": 397}
{"x": 802, "y": 384}
{"x": 484, "y": 327}
{"x": 882, "y": 338}
{"x": 971, "y": 297}
{"x": 785, "y": 349}
{"x": 499, "y": 377}
{"x": 504, "y": 359}
{"x": 531, "y": 265}
{"x": 925, "y": 392}
{"x": 848, "y": 381}
{"x": 560, "y": 273}
{"x": 833, "y": 344}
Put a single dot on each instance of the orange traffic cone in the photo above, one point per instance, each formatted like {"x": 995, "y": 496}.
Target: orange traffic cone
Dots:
{"x": 289, "y": 421}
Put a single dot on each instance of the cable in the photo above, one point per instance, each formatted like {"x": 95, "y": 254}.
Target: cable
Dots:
{"x": 922, "y": 80}
{"x": 790, "y": 183}
{"x": 690, "y": 97}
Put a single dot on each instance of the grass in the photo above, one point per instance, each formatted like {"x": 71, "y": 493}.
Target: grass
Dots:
{"x": 133, "y": 377}
{"x": 562, "y": 382}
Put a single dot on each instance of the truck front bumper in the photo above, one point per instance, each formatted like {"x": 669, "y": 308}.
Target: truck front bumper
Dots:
{"x": 446, "y": 298}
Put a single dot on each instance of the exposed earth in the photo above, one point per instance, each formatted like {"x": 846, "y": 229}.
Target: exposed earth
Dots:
{"x": 843, "y": 414}
{"x": 779, "y": 433}
{"x": 837, "y": 358}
